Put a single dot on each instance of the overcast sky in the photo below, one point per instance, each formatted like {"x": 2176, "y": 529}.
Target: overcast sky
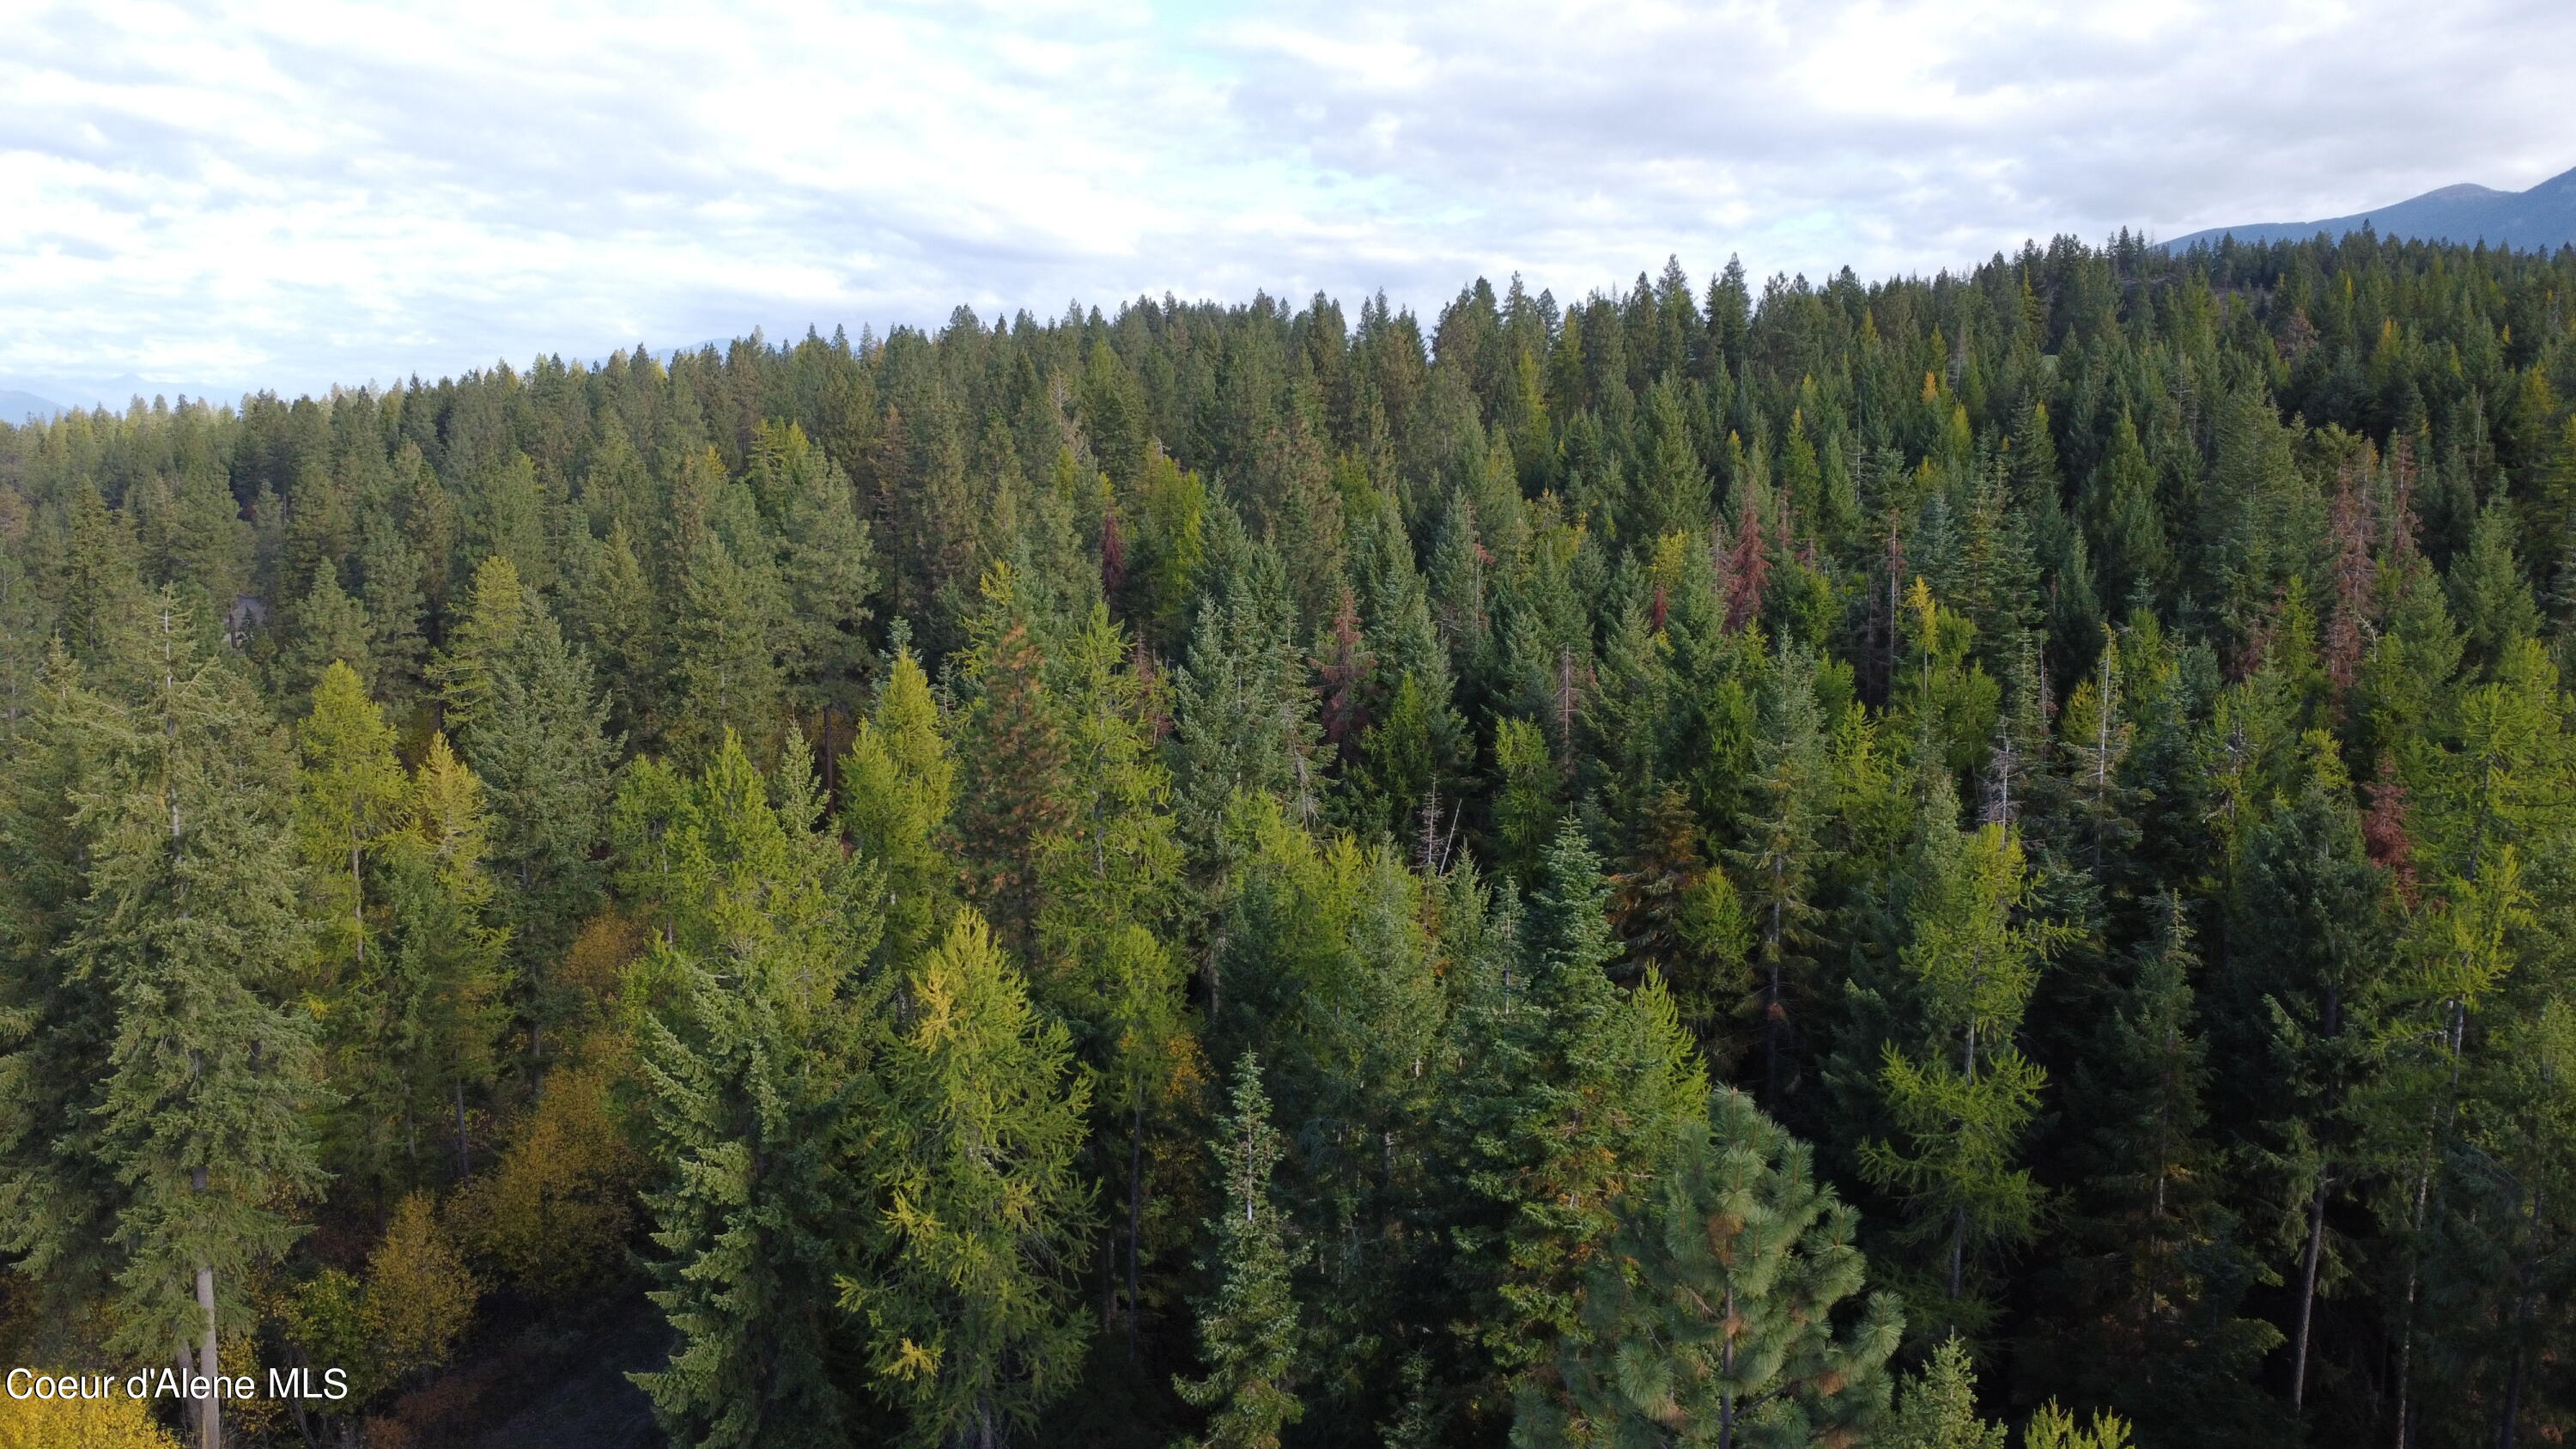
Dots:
{"x": 288, "y": 196}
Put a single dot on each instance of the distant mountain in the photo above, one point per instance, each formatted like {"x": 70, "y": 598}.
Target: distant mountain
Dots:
{"x": 2541, "y": 219}
{"x": 17, "y": 407}
{"x": 50, "y": 393}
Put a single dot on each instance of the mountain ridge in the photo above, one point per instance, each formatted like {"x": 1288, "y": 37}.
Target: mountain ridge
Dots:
{"x": 2542, "y": 218}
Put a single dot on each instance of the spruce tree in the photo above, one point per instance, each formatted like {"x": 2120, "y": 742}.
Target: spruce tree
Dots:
{"x": 1937, "y": 1408}
{"x": 1776, "y": 865}
{"x": 724, "y": 651}
{"x": 2146, "y": 1308}
{"x": 547, "y": 764}
{"x": 2308, "y": 943}
{"x": 761, "y": 1063}
{"x": 1565, "y": 1100}
{"x": 191, "y": 930}
{"x": 1012, "y": 754}
{"x": 1242, "y": 718}
{"x": 827, "y": 570}
{"x": 1525, "y": 809}
{"x": 1109, "y": 886}
{"x": 329, "y": 627}
{"x": 1324, "y": 969}
{"x": 1248, "y": 1327}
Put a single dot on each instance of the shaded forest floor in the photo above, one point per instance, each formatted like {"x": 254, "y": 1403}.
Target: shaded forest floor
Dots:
{"x": 559, "y": 1383}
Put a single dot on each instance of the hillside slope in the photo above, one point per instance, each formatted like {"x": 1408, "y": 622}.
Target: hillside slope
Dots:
{"x": 2541, "y": 219}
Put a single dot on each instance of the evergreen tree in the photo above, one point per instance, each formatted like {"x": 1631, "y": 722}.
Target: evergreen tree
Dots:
{"x": 496, "y": 611}
{"x": 1109, "y": 885}
{"x": 389, "y": 590}
{"x": 1248, "y": 1327}
{"x": 761, "y": 1064}
{"x": 1242, "y": 718}
{"x": 2488, "y": 594}
{"x": 2307, "y": 946}
{"x": 2149, "y": 1298}
{"x": 1961, "y": 1093}
{"x": 1671, "y": 491}
{"x": 351, "y": 795}
{"x": 441, "y": 979}
{"x": 1777, "y": 861}
{"x": 724, "y": 650}
{"x": 826, "y": 569}
{"x": 1011, "y": 751}
{"x": 1711, "y": 1317}
{"x": 547, "y": 765}
{"x": 1526, "y": 809}
{"x": 898, "y": 784}
{"x": 623, "y": 627}
{"x": 330, "y": 627}
{"x": 1567, "y": 1098}
{"x": 1937, "y": 1408}
{"x": 970, "y": 1318}
{"x": 352, "y": 799}
{"x": 190, "y": 929}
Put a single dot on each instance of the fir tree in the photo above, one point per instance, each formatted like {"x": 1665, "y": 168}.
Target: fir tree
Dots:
{"x": 761, "y": 1068}
{"x": 1526, "y": 809}
{"x": 1568, "y": 1098}
{"x": 190, "y": 928}
{"x": 547, "y": 765}
{"x": 330, "y": 627}
{"x": 2151, "y": 1293}
{"x": 724, "y": 640}
{"x": 1241, "y": 716}
{"x": 1248, "y": 1327}
{"x": 1777, "y": 862}
{"x": 1108, "y": 883}
{"x": 1011, "y": 752}
{"x": 1937, "y": 1408}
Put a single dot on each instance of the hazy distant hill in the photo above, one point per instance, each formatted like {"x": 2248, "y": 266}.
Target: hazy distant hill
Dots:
{"x": 18, "y": 407}
{"x": 2541, "y": 219}
{"x": 49, "y": 393}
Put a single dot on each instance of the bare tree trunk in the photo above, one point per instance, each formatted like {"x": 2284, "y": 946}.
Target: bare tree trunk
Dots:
{"x": 464, "y": 1153}
{"x": 2308, "y": 1294}
{"x": 210, "y": 1410}
{"x": 187, "y": 1368}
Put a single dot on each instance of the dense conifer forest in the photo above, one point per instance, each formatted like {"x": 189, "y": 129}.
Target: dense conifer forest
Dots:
{"x": 1947, "y": 862}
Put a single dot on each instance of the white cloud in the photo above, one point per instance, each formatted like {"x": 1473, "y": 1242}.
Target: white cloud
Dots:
{"x": 291, "y": 196}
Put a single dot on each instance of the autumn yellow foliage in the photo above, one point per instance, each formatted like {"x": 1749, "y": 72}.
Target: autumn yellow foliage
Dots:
{"x": 554, "y": 1216}
{"x": 420, "y": 1298}
{"x": 114, "y": 1422}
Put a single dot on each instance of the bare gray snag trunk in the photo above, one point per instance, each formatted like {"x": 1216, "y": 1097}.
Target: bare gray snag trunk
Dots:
{"x": 210, "y": 1409}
